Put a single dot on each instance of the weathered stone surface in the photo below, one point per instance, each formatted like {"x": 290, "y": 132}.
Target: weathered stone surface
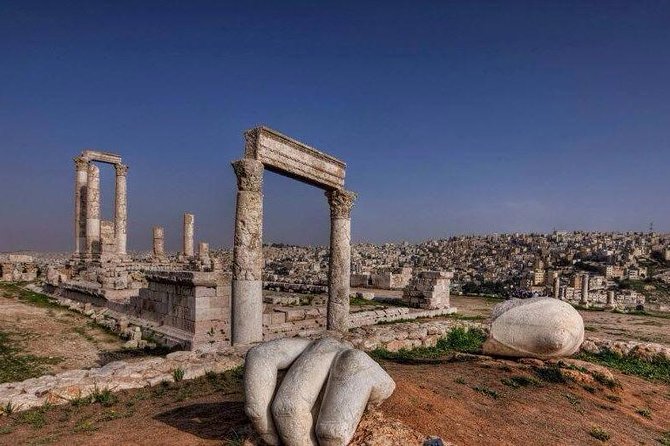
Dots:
{"x": 290, "y": 157}
{"x": 353, "y": 380}
{"x": 189, "y": 230}
{"x": 428, "y": 290}
{"x": 539, "y": 327}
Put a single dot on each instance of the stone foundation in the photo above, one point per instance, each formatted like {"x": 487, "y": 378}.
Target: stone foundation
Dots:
{"x": 428, "y": 290}
{"x": 197, "y": 303}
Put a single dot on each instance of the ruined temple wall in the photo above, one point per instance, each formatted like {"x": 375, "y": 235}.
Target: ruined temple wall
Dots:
{"x": 195, "y": 302}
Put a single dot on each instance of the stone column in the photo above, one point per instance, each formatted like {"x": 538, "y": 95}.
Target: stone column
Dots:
{"x": 247, "y": 286}
{"x": 564, "y": 291}
{"x": 203, "y": 249}
{"x": 339, "y": 274}
{"x": 93, "y": 211}
{"x": 81, "y": 178}
{"x": 585, "y": 290}
{"x": 121, "y": 209}
{"x": 557, "y": 287}
{"x": 610, "y": 300}
{"x": 189, "y": 229}
{"x": 159, "y": 242}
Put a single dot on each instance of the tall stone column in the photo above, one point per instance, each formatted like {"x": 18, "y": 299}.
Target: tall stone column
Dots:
{"x": 610, "y": 300}
{"x": 159, "y": 242}
{"x": 93, "y": 211}
{"x": 557, "y": 287}
{"x": 121, "y": 209}
{"x": 189, "y": 229}
{"x": 585, "y": 290}
{"x": 81, "y": 178}
{"x": 247, "y": 286}
{"x": 339, "y": 275}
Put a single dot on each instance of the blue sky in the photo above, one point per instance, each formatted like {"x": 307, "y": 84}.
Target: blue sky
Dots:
{"x": 453, "y": 117}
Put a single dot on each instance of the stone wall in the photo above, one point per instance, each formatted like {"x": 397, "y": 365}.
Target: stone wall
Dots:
{"x": 197, "y": 303}
{"x": 428, "y": 290}
{"x": 115, "y": 376}
{"x": 13, "y": 270}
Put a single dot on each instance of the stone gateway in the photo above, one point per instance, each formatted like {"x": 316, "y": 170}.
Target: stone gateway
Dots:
{"x": 268, "y": 149}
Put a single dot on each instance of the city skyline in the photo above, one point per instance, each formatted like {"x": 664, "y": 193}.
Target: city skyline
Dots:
{"x": 452, "y": 119}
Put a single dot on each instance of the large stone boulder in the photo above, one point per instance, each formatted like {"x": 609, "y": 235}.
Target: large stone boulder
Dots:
{"x": 540, "y": 327}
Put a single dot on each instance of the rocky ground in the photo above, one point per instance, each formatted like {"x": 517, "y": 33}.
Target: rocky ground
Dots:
{"x": 37, "y": 337}
{"x": 466, "y": 400}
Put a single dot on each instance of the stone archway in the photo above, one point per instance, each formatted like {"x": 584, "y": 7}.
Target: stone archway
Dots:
{"x": 268, "y": 149}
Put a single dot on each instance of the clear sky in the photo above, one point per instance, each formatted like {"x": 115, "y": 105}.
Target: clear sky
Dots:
{"x": 453, "y": 117}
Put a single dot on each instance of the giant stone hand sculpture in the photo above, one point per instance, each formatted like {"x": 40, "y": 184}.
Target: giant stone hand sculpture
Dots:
{"x": 326, "y": 379}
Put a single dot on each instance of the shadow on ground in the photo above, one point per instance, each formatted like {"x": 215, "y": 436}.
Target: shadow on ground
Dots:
{"x": 211, "y": 421}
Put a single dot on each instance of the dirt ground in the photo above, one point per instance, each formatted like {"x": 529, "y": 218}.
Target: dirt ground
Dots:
{"x": 67, "y": 340}
{"x": 464, "y": 402}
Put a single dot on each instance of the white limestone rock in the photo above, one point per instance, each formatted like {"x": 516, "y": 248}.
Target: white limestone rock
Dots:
{"x": 539, "y": 327}
{"x": 322, "y": 397}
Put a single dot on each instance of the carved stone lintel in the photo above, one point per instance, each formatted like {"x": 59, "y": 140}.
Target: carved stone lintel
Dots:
{"x": 249, "y": 175}
{"x": 251, "y": 142}
{"x": 121, "y": 169}
{"x": 80, "y": 163}
{"x": 341, "y": 201}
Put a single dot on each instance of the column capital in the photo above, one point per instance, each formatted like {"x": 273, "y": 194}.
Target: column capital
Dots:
{"x": 249, "y": 174}
{"x": 341, "y": 201}
{"x": 80, "y": 163}
{"x": 121, "y": 170}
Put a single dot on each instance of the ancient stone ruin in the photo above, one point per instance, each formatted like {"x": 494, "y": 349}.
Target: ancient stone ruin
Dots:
{"x": 268, "y": 149}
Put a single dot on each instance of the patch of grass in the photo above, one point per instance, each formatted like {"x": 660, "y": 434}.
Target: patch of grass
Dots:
{"x": 80, "y": 400}
{"x": 356, "y": 301}
{"x": 103, "y": 396}
{"x": 6, "y": 430}
{"x": 81, "y": 331}
{"x": 462, "y": 340}
{"x": 37, "y": 299}
{"x": 35, "y": 418}
{"x": 18, "y": 366}
{"x": 463, "y": 317}
{"x": 644, "y": 411}
{"x": 229, "y": 380}
{"x": 606, "y": 381}
{"x": 519, "y": 381}
{"x": 85, "y": 425}
{"x": 457, "y": 340}
{"x": 658, "y": 369}
{"x": 665, "y": 439}
{"x": 589, "y": 389}
{"x": 111, "y": 415}
{"x": 613, "y": 398}
{"x": 551, "y": 373}
{"x": 178, "y": 374}
{"x": 8, "y": 408}
{"x": 599, "y": 433}
{"x": 486, "y": 391}
{"x": 573, "y": 399}
{"x": 590, "y": 328}
{"x": 460, "y": 380}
